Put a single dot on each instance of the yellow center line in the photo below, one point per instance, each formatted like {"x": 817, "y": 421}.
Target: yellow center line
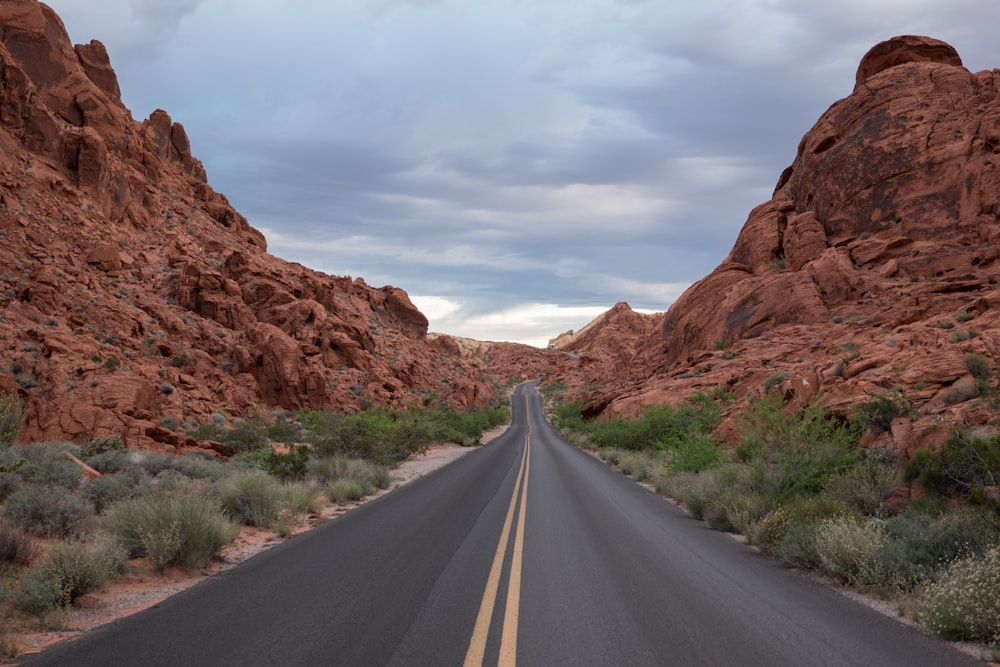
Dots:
{"x": 508, "y": 644}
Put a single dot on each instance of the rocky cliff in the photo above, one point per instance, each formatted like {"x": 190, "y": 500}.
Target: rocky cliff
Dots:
{"x": 871, "y": 271}
{"x": 131, "y": 291}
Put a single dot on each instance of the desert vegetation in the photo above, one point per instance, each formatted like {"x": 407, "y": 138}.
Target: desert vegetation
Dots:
{"x": 63, "y": 535}
{"x": 798, "y": 484}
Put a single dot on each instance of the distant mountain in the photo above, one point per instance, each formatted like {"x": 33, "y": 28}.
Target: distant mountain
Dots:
{"x": 132, "y": 292}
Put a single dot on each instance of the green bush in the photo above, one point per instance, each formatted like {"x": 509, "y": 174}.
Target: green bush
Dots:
{"x": 254, "y": 498}
{"x": 921, "y": 546}
{"x": 46, "y": 463}
{"x": 110, "y": 488}
{"x": 864, "y": 485}
{"x": 968, "y": 464}
{"x": 789, "y": 531}
{"x": 185, "y": 529}
{"x": 12, "y": 416}
{"x": 71, "y": 569}
{"x": 695, "y": 453}
{"x": 342, "y": 490}
{"x": 244, "y": 438}
{"x": 49, "y": 511}
{"x": 963, "y": 604}
{"x": 105, "y": 443}
{"x": 795, "y": 452}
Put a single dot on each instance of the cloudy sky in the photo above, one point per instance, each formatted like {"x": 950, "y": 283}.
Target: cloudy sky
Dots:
{"x": 517, "y": 166}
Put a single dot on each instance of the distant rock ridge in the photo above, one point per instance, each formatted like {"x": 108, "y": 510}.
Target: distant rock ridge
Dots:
{"x": 135, "y": 298}
{"x": 872, "y": 269}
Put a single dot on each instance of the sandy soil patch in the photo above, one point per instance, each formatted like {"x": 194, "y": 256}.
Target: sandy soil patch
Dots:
{"x": 142, "y": 587}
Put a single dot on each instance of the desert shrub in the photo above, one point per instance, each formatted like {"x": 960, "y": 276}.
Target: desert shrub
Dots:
{"x": 38, "y": 592}
{"x": 110, "y": 488}
{"x": 12, "y": 416}
{"x": 325, "y": 469}
{"x": 105, "y": 443}
{"x": 921, "y": 546}
{"x": 16, "y": 546}
{"x": 847, "y": 545}
{"x": 199, "y": 466}
{"x": 636, "y": 465}
{"x": 878, "y": 413}
{"x": 342, "y": 490}
{"x": 864, "y": 485}
{"x": 968, "y": 464}
{"x": 286, "y": 466}
{"x": 70, "y": 570}
{"x": 207, "y": 431}
{"x": 966, "y": 391}
{"x": 9, "y": 483}
{"x": 284, "y": 431}
{"x": 331, "y": 468}
{"x": 185, "y": 529}
{"x": 978, "y": 365}
{"x": 695, "y": 490}
{"x": 244, "y": 437}
{"x": 254, "y": 498}
{"x": 610, "y": 455}
{"x": 568, "y": 415}
{"x": 303, "y": 499}
{"x": 48, "y": 511}
{"x": 789, "y": 531}
{"x": 964, "y": 603}
{"x": 114, "y": 460}
{"x": 46, "y": 463}
{"x": 737, "y": 510}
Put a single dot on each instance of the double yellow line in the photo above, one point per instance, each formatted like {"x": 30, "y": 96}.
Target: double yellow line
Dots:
{"x": 508, "y": 640}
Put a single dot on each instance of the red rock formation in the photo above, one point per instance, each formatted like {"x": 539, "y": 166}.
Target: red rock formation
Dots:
{"x": 132, "y": 291}
{"x": 882, "y": 232}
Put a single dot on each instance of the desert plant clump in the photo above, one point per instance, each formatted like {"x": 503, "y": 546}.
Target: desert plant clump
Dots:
{"x": 70, "y": 570}
{"x": 963, "y": 604}
{"x": 185, "y": 529}
{"x": 343, "y": 490}
{"x": 110, "y": 488}
{"x": 46, "y": 463}
{"x": 49, "y": 511}
{"x": 16, "y": 546}
{"x": 254, "y": 497}
{"x": 105, "y": 443}
{"x": 847, "y": 546}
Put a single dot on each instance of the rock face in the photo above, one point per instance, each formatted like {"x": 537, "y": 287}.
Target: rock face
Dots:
{"x": 132, "y": 291}
{"x": 872, "y": 269}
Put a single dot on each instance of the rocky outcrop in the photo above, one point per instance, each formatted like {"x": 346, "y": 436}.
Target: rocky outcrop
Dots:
{"x": 872, "y": 269}
{"x": 132, "y": 292}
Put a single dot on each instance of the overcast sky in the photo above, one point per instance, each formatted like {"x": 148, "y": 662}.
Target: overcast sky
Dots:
{"x": 517, "y": 166}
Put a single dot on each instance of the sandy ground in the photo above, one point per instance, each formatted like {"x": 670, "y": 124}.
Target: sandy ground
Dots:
{"x": 141, "y": 587}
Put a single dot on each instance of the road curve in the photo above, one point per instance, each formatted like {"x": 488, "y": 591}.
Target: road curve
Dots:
{"x": 525, "y": 552}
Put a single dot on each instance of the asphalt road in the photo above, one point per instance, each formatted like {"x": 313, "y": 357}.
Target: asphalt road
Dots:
{"x": 526, "y": 551}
